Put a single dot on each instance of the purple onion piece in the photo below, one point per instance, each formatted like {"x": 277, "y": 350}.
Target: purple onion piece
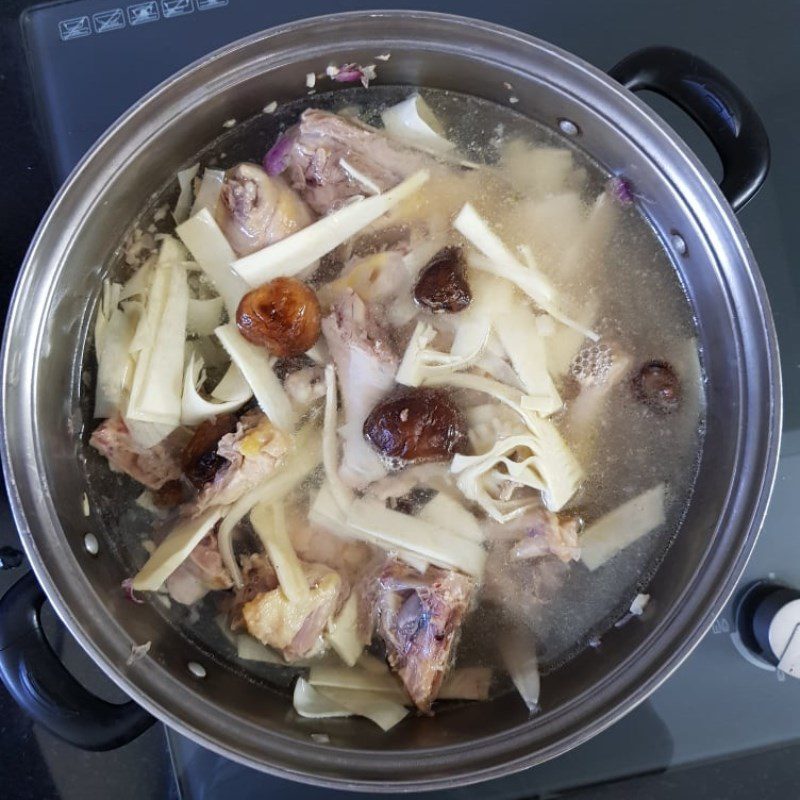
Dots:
{"x": 277, "y": 158}
{"x": 127, "y": 587}
{"x": 348, "y": 73}
{"x": 622, "y": 189}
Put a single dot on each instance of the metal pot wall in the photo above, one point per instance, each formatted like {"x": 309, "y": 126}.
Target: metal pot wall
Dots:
{"x": 49, "y": 319}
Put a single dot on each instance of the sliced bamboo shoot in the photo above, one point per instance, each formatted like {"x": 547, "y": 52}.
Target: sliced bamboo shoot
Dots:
{"x": 231, "y": 396}
{"x": 344, "y": 635}
{"x": 113, "y": 361}
{"x": 269, "y": 523}
{"x": 210, "y": 188}
{"x": 327, "y": 514}
{"x": 477, "y": 231}
{"x": 356, "y": 678}
{"x": 175, "y": 549}
{"x": 184, "y": 202}
{"x": 157, "y": 386}
{"x": 330, "y": 443}
{"x": 210, "y": 248}
{"x": 254, "y": 364}
{"x": 385, "y": 713}
{"x": 446, "y": 512}
{"x": 618, "y": 529}
{"x": 379, "y": 524}
{"x": 250, "y": 649}
{"x": 308, "y": 702}
{"x": 520, "y": 337}
{"x": 204, "y": 316}
{"x": 413, "y": 121}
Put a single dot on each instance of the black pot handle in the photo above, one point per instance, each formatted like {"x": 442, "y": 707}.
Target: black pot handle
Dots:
{"x": 714, "y": 103}
{"x": 44, "y": 688}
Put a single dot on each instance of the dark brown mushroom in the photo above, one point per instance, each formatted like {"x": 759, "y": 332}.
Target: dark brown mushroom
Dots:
{"x": 442, "y": 287}
{"x": 413, "y": 425}
{"x": 657, "y": 386}
{"x": 199, "y": 459}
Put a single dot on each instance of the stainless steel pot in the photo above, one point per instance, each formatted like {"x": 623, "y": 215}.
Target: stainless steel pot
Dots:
{"x": 49, "y": 318}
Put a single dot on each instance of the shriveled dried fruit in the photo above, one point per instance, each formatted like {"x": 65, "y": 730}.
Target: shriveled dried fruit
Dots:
{"x": 442, "y": 287}
{"x": 657, "y": 385}
{"x": 282, "y": 315}
{"x": 199, "y": 459}
{"x": 419, "y": 424}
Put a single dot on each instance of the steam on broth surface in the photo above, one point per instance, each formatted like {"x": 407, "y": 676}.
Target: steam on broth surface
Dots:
{"x": 455, "y": 430}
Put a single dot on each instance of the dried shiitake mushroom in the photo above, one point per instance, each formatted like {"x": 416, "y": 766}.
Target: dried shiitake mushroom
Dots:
{"x": 413, "y": 425}
{"x": 282, "y": 315}
{"x": 657, "y": 385}
{"x": 199, "y": 459}
{"x": 442, "y": 287}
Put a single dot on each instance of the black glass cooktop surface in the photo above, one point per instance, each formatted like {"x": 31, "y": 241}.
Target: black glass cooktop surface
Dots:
{"x": 720, "y": 726}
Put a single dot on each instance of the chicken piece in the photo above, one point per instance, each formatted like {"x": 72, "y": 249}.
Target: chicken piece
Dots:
{"x": 152, "y": 467}
{"x": 366, "y": 365}
{"x": 536, "y": 533}
{"x": 529, "y": 561}
{"x": 258, "y": 577}
{"x": 252, "y": 452}
{"x": 295, "y": 628}
{"x": 523, "y": 589}
{"x": 547, "y": 533}
{"x": 418, "y": 619}
{"x": 350, "y": 558}
{"x": 255, "y": 210}
{"x": 305, "y": 385}
{"x": 201, "y": 573}
{"x": 327, "y": 151}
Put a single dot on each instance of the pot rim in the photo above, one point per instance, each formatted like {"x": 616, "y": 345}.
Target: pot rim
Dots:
{"x": 32, "y": 523}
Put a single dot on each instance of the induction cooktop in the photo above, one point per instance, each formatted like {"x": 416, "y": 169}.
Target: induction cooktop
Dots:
{"x": 722, "y": 718}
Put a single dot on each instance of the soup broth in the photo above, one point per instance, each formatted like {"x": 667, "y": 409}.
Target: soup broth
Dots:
{"x": 624, "y": 369}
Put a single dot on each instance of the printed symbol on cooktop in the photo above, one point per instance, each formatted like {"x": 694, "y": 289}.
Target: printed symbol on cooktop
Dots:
{"x": 111, "y": 20}
{"x": 74, "y": 28}
{"x": 207, "y": 5}
{"x": 176, "y": 8}
{"x": 143, "y": 12}
{"x": 721, "y": 626}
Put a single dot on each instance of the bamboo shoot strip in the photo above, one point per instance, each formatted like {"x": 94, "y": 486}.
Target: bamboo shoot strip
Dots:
{"x": 175, "y": 549}
{"x": 210, "y": 249}
{"x": 621, "y": 527}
